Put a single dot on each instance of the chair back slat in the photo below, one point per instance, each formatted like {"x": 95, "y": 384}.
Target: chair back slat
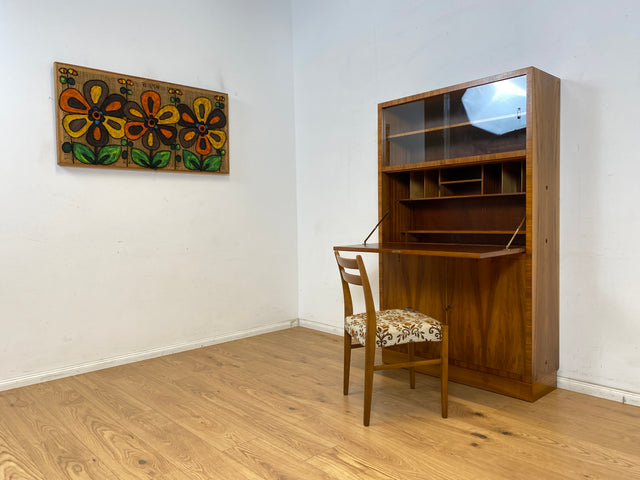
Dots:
{"x": 360, "y": 278}
{"x": 347, "y": 262}
{"x": 351, "y": 278}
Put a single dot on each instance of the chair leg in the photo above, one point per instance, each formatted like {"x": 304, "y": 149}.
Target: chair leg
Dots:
{"x": 369, "y": 358}
{"x": 444, "y": 373}
{"x": 412, "y": 370}
{"x": 347, "y": 363}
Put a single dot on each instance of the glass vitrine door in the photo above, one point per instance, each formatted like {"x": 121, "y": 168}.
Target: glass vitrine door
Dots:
{"x": 480, "y": 120}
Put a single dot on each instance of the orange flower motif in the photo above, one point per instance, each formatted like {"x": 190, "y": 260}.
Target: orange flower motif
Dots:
{"x": 150, "y": 121}
{"x": 93, "y": 112}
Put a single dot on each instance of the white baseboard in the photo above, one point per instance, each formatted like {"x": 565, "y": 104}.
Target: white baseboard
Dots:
{"x": 62, "y": 372}
{"x": 600, "y": 391}
{"x": 322, "y": 327}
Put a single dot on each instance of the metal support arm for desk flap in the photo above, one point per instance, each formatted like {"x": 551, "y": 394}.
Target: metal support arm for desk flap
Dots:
{"x": 374, "y": 228}
{"x": 515, "y": 233}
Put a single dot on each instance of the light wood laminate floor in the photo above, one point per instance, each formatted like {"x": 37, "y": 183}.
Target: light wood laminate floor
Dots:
{"x": 271, "y": 406}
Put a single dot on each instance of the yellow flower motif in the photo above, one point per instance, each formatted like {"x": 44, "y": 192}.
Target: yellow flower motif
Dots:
{"x": 202, "y": 126}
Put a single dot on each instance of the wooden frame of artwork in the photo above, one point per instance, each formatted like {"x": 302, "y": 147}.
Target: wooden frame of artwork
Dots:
{"x": 112, "y": 120}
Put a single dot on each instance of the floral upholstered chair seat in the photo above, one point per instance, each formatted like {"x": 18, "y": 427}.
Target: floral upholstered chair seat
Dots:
{"x": 395, "y": 327}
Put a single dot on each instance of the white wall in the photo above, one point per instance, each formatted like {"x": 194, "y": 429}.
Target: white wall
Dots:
{"x": 100, "y": 267}
{"x": 351, "y": 55}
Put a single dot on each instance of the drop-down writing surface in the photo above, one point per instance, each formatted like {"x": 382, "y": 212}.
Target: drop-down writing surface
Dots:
{"x": 433, "y": 249}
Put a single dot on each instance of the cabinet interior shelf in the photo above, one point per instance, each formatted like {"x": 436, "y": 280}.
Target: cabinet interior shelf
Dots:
{"x": 504, "y": 177}
{"x": 475, "y": 159}
{"x": 465, "y": 232}
{"x": 455, "y": 182}
{"x": 456, "y": 125}
{"x": 455, "y": 197}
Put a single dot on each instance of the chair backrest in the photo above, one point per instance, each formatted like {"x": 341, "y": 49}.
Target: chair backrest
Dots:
{"x": 359, "y": 278}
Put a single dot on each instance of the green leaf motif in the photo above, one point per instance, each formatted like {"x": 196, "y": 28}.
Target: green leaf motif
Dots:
{"x": 212, "y": 163}
{"x": 161, "y": 159}
{"x": 108, "y": 154}
{"x": 84, "y": 154}
{"x": 140, "y": 158}
{"x": 190, "y": 160}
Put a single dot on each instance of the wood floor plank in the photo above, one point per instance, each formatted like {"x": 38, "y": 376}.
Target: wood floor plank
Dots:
{"x": 15, "y": 462}
{"x": 388, "y": 450}
{"x": 178, "y": 445}
{"x": 284, "y": 429}
{"x": 199, "y": 417}
{"x": 50, "y": 443}
{"x": 122, "y": 452}
{"x": 528, "y": 440}
{"x": 169, "y": 397}
{"x": 185, "y": 441}
{"x": 339, "y": 463}
{"x": 271, "y": 406}
{"x": 566, "y": 412}
{"x": 269, "y": 462}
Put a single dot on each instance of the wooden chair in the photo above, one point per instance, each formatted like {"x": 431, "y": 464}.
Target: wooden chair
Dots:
{"x": 383, "y": 329}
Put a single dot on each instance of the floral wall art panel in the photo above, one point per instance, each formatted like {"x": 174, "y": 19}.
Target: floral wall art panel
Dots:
{"x": 112, "y": 120}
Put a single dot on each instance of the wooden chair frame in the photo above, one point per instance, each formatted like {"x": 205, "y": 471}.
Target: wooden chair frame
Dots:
{"x": 361, "y": 279}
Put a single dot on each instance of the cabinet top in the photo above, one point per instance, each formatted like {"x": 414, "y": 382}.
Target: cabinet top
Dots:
{"x": 466, "y": 85}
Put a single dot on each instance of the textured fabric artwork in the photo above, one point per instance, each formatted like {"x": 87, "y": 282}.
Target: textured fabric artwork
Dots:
{"x": 110, "y": 120}
{"x": 395, "y": 327}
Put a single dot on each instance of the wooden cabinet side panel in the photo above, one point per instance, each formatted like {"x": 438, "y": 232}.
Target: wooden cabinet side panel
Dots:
{"x": 545, "y": 233}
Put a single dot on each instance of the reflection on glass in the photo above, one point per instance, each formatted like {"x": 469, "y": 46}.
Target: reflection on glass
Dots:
{"x": 498, "y": 107}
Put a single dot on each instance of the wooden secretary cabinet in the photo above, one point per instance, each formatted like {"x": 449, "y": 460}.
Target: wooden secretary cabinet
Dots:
{"x": 469, "y": 176}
